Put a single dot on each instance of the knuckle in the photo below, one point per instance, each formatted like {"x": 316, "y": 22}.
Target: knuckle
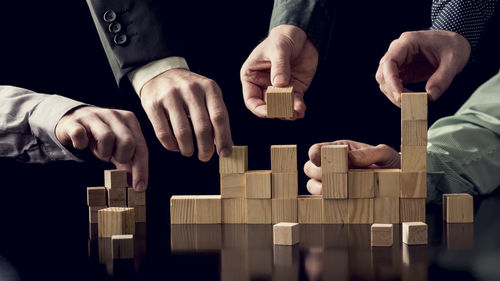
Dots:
{"x": 183, "y": 132}
{"x": 106, "y": 137}
{"x": 219, "y": 117}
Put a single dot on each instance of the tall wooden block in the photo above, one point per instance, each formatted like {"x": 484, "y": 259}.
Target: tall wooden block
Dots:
{"x": 140, "y": 213}
{"x": 116, "y": 220}
{"x": 93, "y": 213}
{"x": 414, "y": 184}
{"x": 284, "y": 210}
{"x": 234, "y": 210}
{"x": 414, "y": 132}
{"x": 411, "y": 209}
{"x": 208, "y": 209}
{"x": 310, "y": 209}
{"x": 360, "y": 211}
{"x": 334, "y": 158}
{"x": 117, "y": 197}
{"x": 413, "y": 158}
{"x": 122, "y": 246}
{"x": 259, "y": 211}
{"x": 284, "y": 158}
{"x": 237, "y": 162}
{"x": 284, "y": 185}
{"x": 334, "y": 185}
{"x": 414, "y": 233}
{"x": 458, "y": 208}
{"x": 115, "y": 179}
{"x": 335, "y": 211}
{"x": 386, "y": 210}
{"x": 135, "y": 198}
{"x": 361, "y": 183}
{"x": 387, "y": 182}
{"x": 232, "y": 185}
{"x": 414, "y": 106}
{"x": 279, "y": 101}
{"x": 382, "y": 234}
{"x": 182, "y": 209}
{"x": 286, "y": 233}
{"x": 96, "y": 196}
{"x": 258, "y": 184}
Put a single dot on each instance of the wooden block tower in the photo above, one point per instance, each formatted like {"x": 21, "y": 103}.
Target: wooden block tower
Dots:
{"x": 284, "y": 183}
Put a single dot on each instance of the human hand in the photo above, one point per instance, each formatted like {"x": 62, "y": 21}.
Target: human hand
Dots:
{"x": 112, "y": 135}
{"x": 360, "y": 155}
{"x": 178, "y": 94}
{"x": 285, "y": 58}
{"x": 433, "y": 55}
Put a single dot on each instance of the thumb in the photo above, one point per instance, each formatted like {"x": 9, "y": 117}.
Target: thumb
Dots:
{"x": 381, "y": 155}
{"x": 440, "y": 80}
{"x": 280, "y": 68}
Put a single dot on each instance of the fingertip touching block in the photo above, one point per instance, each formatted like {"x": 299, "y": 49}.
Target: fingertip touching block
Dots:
{"x": 233, "y": 185}
{"x": 414, "y": 106}
{"x": 414, "y": 233}
{"x": 96, "y": 196}
{"x": 458, "y": 208}
{"x": 182, "y": 209}
{"x": 310, "y": 209}
{"x": 279, "y": 101}
{"x": 361, "y": 183}
{"x": 258, "y": 184}
{"x": 123, "y": 246}
{"x": 135, "y": 198}
{"x": 208, "y": 209}
{"x": 284, "y": 158}
{"x": 286, "y": 233}
{"x": 115, "y": 179}
{"x": 116, "y": 220}
{"x": 334, "y": 158}
{"x": 237, "y": 162}
{"x": 382, "y": 235}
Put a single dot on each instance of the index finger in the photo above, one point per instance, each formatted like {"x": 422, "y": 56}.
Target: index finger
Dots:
{"x": 220, "y": 120}
{"x": 253, "y": 96}
{"x": 140, "y": 160}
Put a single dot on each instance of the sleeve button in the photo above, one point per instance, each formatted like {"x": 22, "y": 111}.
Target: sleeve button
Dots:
{"x": 115, "y": 27}
{"x": 120, "y": 39}
{"x": 109, "y": 16}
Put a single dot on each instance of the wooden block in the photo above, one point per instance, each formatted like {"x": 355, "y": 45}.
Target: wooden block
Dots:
{"x": 414, "y": 132}
{"x": 96, "y": 196}
{"x": 360, "y": 211}
{"x": 232, "y": 185}
{"x": 135, "y": 198}
{"x": 117, "y": 197}
{"x": 386, "y": 210}
{"x": 310, "y": 209}
{"x": 286, "y": 233}
{"x": 208, "y": 209}
{"x": 115, "y": 179}
{"x": 123, "y": 246}
{"x": 284, "y": 158}
{"x": 335, "y": 211}
{"x": 258, "y": 184}
{"x": 414, "y": 233}
{"x": 413, "y": 158}
{"x": 387, "y": 182}
{"x": 411, "y": 209}
{"x": 182, "y": 209}
{"x": 284, "y": 185}
{"x": 361, "y": 183}
{"x": 116, "y": 220}
{"x": 382, "y": 235}
{"x": 414, "y": 106}
{"x": 258, "y": 211}
{"x": 140, "y": 213}
{"x": 334, "y": 158}
{"x": 234, "y": 210}
{"x": 334, "y": 185}
{"x": 279, "y": 102}
{"x": 284, "y": 210}
{"x": 93, "y": 213}
{"x": 414, "y": 184}
{"x": 237, "y": 162}
{"x": 458, "y": 208}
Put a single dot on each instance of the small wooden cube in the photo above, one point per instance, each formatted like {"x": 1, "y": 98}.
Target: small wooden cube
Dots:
{"x": 123, "y": 246}
{"x": 361, "y": 183}
{"x": 387, "y": 182}
{"x": 414, "y": 106}
{"x": 284, "y": 210}
{"x": 117, "y": 197}
{"x": 237, "y": 162}
{"x": 386, "y": 210}
{"x": 414, "y": 184}
{"x": 284, "y": 158}
{"x": 334, "y": 185}
{"x": 234, "y": 210}
{"x": 414, "y": 233}
{"x": 414, "y": 132}
{"x": 413, "y": 158}
{"x": 96, "y": 196}
{"x": 140, "y": 213}
{"x": 286, "y": 233}
{"x": 360, "y": 211}
{"x": 382, "y": 235}
{"x": 335, "y": 211}
{"x": 259, "y": 211}
{"x": 279, "y": 101}
{"x": 208, "y": 209}
{"x": 93, "y": 213}
{"x": 285, "y": 185}
{"x": 182, "y": 209}
{"x": 116, "y": 220}
{"x": 458, "y": 208}
{"x": 135, "y": 198}
{"x": 310, "y": 209}
{"x": 411, "y": 209}
{"x": 115, "y": 179}
{"x": 258, "y": 184}
{"x": 334, "y": 158}
{"x": 233, "y": 185}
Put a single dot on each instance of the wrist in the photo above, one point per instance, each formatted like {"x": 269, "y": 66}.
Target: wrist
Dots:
{"x": 291, "y": 31}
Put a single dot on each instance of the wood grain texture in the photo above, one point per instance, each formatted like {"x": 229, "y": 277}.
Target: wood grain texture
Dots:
{"x": 93, "y": 210}
{"x": 414, "y": 233}
{"x": 414, "y": 184}
{"x": 234, "y": 210}
{"x": 413, "y": 158}
{"x": 414, "y": 106}
{"x": 209, "y": 237}
{"x": 458, "y": 208}
{"x": 334, "y": 158}
{"x": 258, "y": 184}
{"x": 182, "y": 209}
{"x": 286, "y": 233}
{"x": 96, "y": 196}
{"x": 115, "y": 179}
{"x": 411, "y": 209}
{"x": 135, "y": 198}
{"x": 284, "y": 158}
{"x": 335, "y": 211}
{"x": 140, "y": 213}
{"x": 116, "y": 220}
{"x": 387, "y": 182}
{"x": 414, "y": 132}
{"x": 279, "y": 102}
{"x": 208, "y": 209}
{"x": 360, "y": 211}
{"x": 117, "y": 197}
{"x": 232, "y": 185}
{"x": 259, "y": 211}
{"x": 284, "y": 185}
{"x": 361, "y": 183}
{"x": 334, "y": 185}
{"x": 237, "y": 162}
{"x": 310, "y": 209}
{"x": 183, "y": 237}
{"x": 386, "y": 210}
{"x": 284, "y": 210}
{"x": 122, "y": 246}
{"x": 382, "y": 235}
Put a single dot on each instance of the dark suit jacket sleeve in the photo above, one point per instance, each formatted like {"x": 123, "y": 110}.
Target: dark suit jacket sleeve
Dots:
{"x": 315, "y": 17}
{"x": 132, "y": 34}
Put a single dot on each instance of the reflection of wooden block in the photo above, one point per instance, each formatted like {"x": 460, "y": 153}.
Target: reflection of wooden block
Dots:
{"x": 115, "y": 179}
{"x": 414, "y": 233}
{"x": 209, "y": 237}
{"x": 116, "y": 220}
{"x": 234, "y": 210}
{"x": 258, "y": 211}
{"x": 232, "y": 185}
{"x": 381, "y": 234}
{"x": 183, "y": 237}
{"x": 284, "y": 158}
{"x": 140, "y": 213}
{"x": 310, "y": 209}
{"x": 258, "y": 184}
{"x": 361, "y": 183}
{"x": 414, "y": 184}
{"x": 334, "y": 185}
{"x": 334, "y": 211}
{"x": 284, "y": 210}
{"x": 93, "y": 213}
{"x": 387, "y": 182}
{"x": 360, "y": 211}
{"x": 237, "y": 162}
{"x": 182, "y": 209}
{"x": 414, "y": 132}
{"x": 286, "y": 233}
{"x": 386, "y": 210}
{"x": 458, "y": 207}
{"x": 208, "y": 209}
{"x": 279, "y": 102}
{"x": 96, "y": 196}
{"x": 334, "y": 158}
{"x": 117, "y": 197}
{"x": 459, "y": 235}
{"x": 413, "y": 158}
{"x": 123, "y": 246}
{"x": 284, "y": 185}
{"x": 414, "y": 106}
{"x": 411, "y": 209}
{"x": 135, "y": 198}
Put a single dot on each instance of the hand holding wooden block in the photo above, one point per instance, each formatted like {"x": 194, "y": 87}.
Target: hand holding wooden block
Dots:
{"x": 285, "y": 233}
{"x": 414, "y": 106}
{"x": 414, "y": 233}
{"x": 334, "y": 158}
{"x": 279, "y": 102}
{"x": 382, "y": 234}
